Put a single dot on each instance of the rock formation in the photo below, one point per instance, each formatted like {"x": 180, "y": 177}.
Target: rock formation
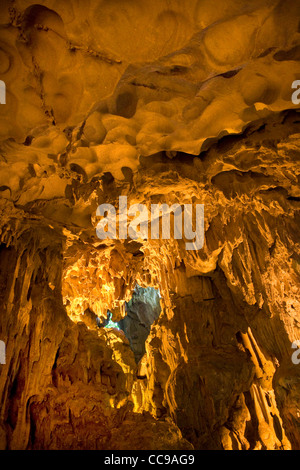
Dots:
{"x": 163, "y": 102}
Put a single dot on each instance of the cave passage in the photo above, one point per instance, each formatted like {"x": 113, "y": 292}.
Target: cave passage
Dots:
{"x": 142, "y": 310}
{"x": 110, "y": 323}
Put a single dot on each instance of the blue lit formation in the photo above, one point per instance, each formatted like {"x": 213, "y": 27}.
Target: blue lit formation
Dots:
{"x": 110, "y": 323}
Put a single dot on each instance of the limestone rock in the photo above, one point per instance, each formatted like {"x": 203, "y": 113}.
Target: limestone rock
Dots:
{"x": 163, "y": 102}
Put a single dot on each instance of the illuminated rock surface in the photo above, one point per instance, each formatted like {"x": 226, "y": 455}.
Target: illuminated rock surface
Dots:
{"x": 164, "y": 102}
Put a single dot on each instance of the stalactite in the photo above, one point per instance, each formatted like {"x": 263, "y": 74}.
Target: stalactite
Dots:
{"x": 163, "y": 104}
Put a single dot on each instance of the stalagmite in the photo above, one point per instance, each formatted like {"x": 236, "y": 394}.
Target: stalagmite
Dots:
{"x": 149, "y": 169}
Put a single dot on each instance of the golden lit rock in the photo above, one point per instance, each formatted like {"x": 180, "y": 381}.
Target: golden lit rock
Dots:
{"x": 142, "y": 342}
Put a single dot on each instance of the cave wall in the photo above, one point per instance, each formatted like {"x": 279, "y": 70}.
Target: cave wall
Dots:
{"x": 173, "y": 103}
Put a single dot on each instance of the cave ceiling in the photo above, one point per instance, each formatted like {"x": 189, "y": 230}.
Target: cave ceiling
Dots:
{"x": 188, "y": 102}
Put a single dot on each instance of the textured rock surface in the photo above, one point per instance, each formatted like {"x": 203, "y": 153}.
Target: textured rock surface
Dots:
{"x": 169, "y": 102}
